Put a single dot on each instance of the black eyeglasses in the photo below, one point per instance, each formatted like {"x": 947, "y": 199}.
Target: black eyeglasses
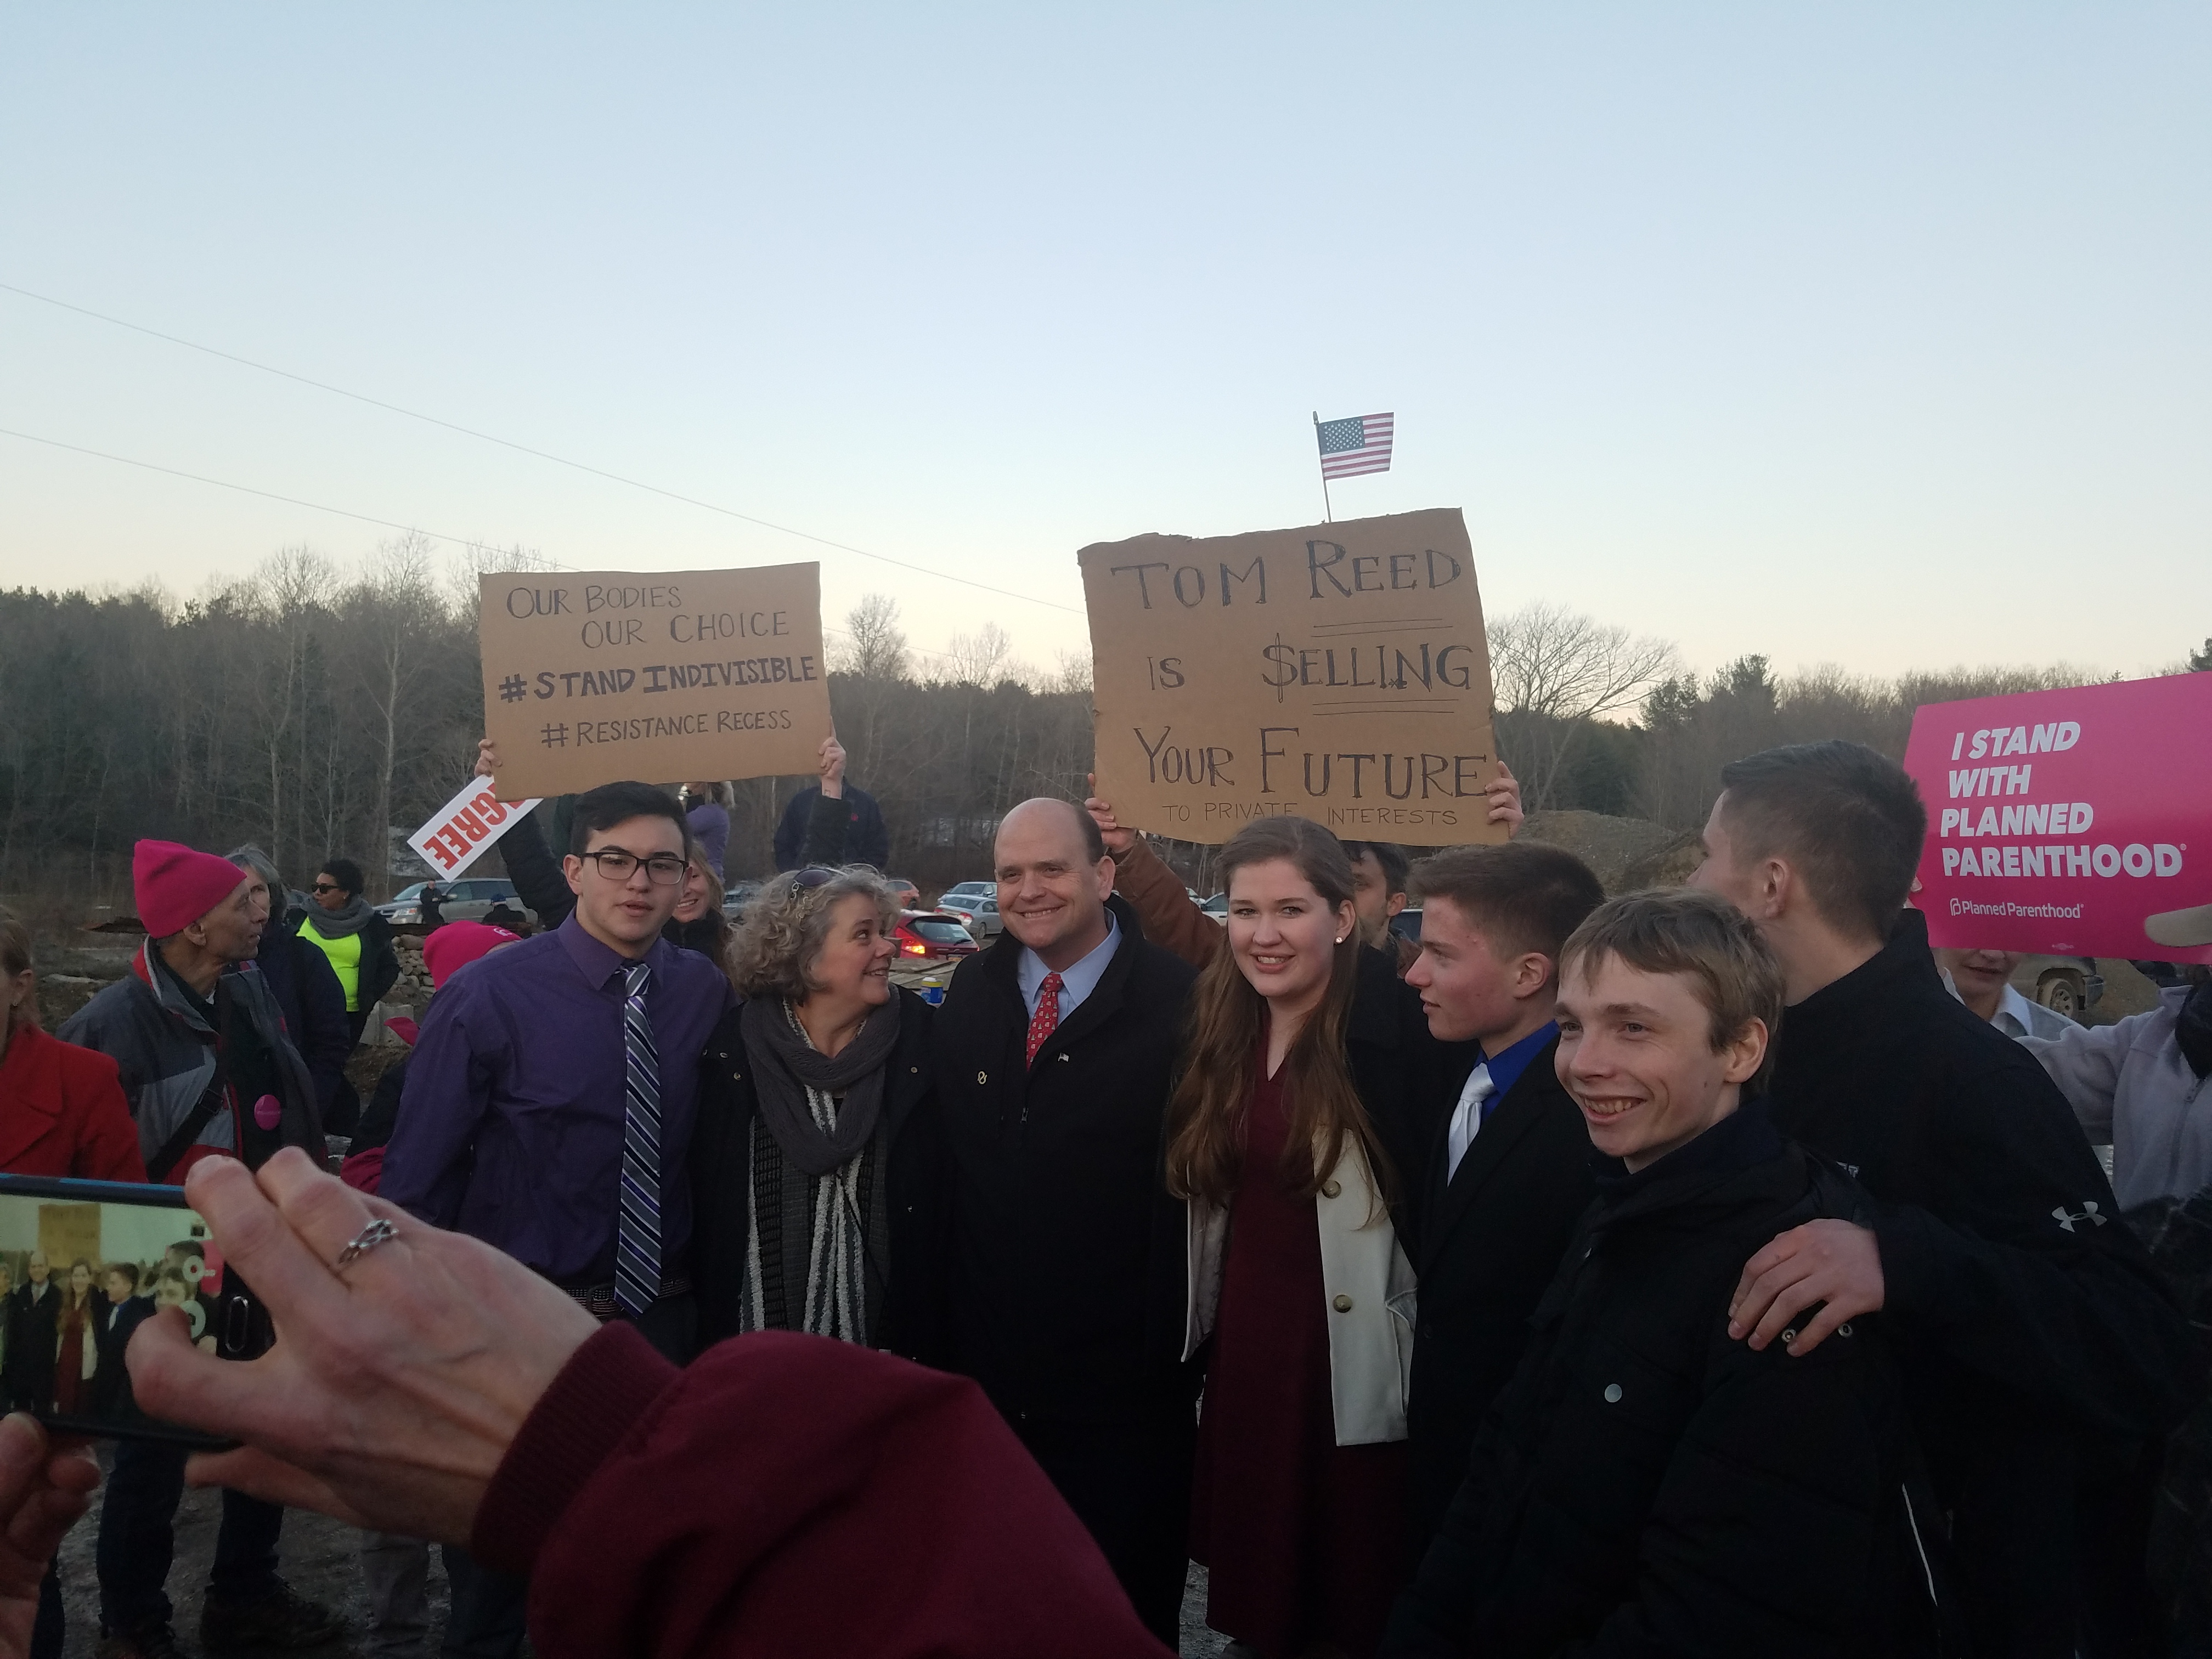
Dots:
{"x": 617, "y": 864}
{"x": 328, "y": 887}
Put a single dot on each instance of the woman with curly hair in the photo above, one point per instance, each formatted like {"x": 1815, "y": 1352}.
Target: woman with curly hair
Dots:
{"x": 812, "y": 1172}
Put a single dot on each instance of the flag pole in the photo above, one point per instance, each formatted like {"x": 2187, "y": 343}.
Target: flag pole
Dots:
{"x": 1327, "y": 513}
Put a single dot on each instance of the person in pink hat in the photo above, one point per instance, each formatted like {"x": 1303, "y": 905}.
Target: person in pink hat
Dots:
{"x": 206, "y": 1067}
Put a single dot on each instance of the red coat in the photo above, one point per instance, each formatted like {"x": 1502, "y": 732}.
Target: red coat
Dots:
{"x": 63, "y": 1113}
{"x": 790, "y": 1496}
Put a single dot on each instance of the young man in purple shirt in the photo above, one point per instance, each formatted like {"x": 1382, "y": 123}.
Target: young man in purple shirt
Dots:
{"x": 550, "y": 1104}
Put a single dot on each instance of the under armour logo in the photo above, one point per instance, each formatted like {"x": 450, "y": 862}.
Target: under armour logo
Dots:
{"x": 2088, "y": 1214}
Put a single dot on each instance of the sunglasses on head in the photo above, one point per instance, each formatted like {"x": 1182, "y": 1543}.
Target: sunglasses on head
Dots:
{"x": 814, "y": 877}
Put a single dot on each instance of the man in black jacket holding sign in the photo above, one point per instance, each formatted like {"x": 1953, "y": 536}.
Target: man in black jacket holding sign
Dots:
{"x": 2040, "y": 1348}
{"x": 1054, "y": 1053}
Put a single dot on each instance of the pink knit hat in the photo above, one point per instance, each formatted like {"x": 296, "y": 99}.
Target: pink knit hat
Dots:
{"x": 458, "y": 944}
{"x": 176, "y": 886}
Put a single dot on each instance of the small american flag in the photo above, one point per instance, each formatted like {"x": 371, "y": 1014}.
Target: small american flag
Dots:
{"x": 1358, "y": 444}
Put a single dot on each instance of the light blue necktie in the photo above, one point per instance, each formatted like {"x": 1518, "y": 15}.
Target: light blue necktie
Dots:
{"x": 637, "y": 1233}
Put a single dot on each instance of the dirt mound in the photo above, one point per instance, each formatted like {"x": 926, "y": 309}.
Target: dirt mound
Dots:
{"x": 1624, "y": 853}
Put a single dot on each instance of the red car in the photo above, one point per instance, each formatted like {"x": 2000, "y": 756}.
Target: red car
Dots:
{"x": 922, "y": 934}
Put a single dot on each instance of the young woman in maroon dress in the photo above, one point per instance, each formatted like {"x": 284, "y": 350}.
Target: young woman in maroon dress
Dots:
{"x": 74, "y": 1357}
{"x": 1305, "y": 1096}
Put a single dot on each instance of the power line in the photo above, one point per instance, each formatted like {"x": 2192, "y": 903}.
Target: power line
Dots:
{"x": 344, "y": 512}
{"x": 245, "y": 489}
{"x": 508, "y": 443}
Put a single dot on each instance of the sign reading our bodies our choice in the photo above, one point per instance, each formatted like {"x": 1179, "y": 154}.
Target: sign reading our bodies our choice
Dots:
{"x": 2075, "y": 821}
{"x": 1338, "y": 672}
{"x": 591, "y": 677}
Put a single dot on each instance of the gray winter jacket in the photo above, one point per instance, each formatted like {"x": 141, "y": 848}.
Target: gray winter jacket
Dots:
{"x": 2132, "y": 1090}
{"x": 167, "y": 1055}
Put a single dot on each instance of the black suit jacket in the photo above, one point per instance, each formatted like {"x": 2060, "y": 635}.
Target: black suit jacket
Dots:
{"x": 1065, "y": 1255}
{"x": 28, "y": 1375}
{"x": 1489, "y": 1243}
{"x": 112, "y": 1325}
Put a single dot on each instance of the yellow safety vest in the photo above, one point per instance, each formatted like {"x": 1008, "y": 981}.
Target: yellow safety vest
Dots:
{"x": 345, "y": 958}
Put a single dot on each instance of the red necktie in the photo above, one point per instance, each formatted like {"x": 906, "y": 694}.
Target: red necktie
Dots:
{"x": 1046, "y": 1018}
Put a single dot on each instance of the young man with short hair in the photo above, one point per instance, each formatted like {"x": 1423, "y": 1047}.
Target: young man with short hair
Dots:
{"x": 550, "y": 1104}
{"x": 1508, "y": 1175}
{"x": 2040, "y": 1347}
{"x": 1055, "y": 1050}
{"x": 1645, "y": 1484}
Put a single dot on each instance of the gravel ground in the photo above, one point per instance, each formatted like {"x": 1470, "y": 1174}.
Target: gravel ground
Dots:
{"x": 319, "y": 1560}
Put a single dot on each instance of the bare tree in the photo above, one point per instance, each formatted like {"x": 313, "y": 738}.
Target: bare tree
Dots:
{"x": 977, "y": 658}
{"x": 874, "y": 646}
{"x": 1554, "y": 670}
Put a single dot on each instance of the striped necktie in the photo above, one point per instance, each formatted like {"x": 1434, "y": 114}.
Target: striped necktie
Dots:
{"x": 637, "y": 1231}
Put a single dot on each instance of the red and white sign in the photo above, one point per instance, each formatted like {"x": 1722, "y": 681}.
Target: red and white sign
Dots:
{"x": 459, "y": 831}
{"x": 2076, "y": 822}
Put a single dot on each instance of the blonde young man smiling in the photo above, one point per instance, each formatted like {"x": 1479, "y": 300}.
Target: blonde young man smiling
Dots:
{"x": 1644, "y": 1482}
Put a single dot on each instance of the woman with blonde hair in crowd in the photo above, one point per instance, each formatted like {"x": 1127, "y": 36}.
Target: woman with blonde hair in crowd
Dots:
{"x": 699, "y": 924}
{"x": 813, "y": 1163}
{"x": 1290, "y": 1136}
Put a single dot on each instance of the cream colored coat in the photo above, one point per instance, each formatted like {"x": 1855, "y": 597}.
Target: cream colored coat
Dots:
{"x": 1366, "y": 1289}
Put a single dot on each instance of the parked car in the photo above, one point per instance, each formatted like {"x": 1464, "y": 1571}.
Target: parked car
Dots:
{"x": 1406, "y": 924}
{"x": 982, "y": 915}
{"x": 925, "y": 934}
{"x": 967, "y": 889}
{"x": 909, "y": 896}
{"x": 466, "y": 900}
{"x": 737, "y": 897}
{"x": 2065, "y": 985}
{"x": 1216, "y": 906}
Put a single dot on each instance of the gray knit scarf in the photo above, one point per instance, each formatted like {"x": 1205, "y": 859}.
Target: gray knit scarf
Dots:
{"x": 338, "y": 924}
{"x": 817, "y": 1194}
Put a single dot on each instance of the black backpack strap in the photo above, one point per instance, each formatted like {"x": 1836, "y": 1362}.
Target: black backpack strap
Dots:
{"x": 174, "y": 1148}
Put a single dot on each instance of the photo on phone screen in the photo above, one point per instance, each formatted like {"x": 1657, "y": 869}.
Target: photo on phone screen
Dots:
{"x": 83, "y": 1265}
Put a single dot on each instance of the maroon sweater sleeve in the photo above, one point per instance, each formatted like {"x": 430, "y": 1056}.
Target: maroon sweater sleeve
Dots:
{"x": 793, "y": 1495}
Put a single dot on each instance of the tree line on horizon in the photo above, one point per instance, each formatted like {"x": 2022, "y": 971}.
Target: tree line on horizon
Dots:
{"x": 315, "y": 711}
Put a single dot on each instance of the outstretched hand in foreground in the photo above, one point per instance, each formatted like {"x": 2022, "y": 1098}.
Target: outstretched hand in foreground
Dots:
{"x": 44, "y": 1489}
{"x": 398, "y": 1384}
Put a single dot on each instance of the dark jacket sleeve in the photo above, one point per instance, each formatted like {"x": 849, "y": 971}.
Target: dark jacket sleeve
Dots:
{"x": 791, "y": 827}
{"x": 870, "y": 841}
{"x": 381, "y": 969}
{"x": 1170, "y": 918}
{"x": 382, "y": 1111}
{"x": 536, "y": 872}
{"x": 325, "y": 1037}
{"x": 827, "y": 840}
{"x": 2028, "y": 1281}
{"x": 721, "y": 1510}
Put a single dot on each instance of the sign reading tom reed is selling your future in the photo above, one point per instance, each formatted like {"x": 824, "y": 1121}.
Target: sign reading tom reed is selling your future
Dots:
{"x": 1338, "y": 672}
{"x": 595, "y": 675}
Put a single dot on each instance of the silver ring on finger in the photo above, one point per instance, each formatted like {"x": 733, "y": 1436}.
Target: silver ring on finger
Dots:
{"x": 378, "y": 1231}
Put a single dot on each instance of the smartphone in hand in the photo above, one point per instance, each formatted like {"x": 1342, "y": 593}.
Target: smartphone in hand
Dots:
{"x": 83, "y": 1265}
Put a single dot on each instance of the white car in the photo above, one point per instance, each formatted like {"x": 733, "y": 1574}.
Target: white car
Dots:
{"x": 982, "y": 915}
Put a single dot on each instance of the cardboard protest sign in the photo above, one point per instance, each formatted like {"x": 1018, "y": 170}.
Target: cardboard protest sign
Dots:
{"x": 596, "y": 676}
{"x": 2076, "y": 822}
{"x": 459, "y": 832}
{"x": 1338, "y": 672}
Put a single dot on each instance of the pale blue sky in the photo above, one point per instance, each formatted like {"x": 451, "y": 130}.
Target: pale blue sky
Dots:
{"x": 1866, "y": 333}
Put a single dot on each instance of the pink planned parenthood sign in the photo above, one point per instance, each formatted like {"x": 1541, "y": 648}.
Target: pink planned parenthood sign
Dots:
{"x": 2077, "y": 822}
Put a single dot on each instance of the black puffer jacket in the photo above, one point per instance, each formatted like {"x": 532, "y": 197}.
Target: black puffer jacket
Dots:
{"x": 1066, "y": 1254}
{"x": 2036, "y": 1338}
{"x": 914, "y": 1181}
{"x": 1645, "y": 1485}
